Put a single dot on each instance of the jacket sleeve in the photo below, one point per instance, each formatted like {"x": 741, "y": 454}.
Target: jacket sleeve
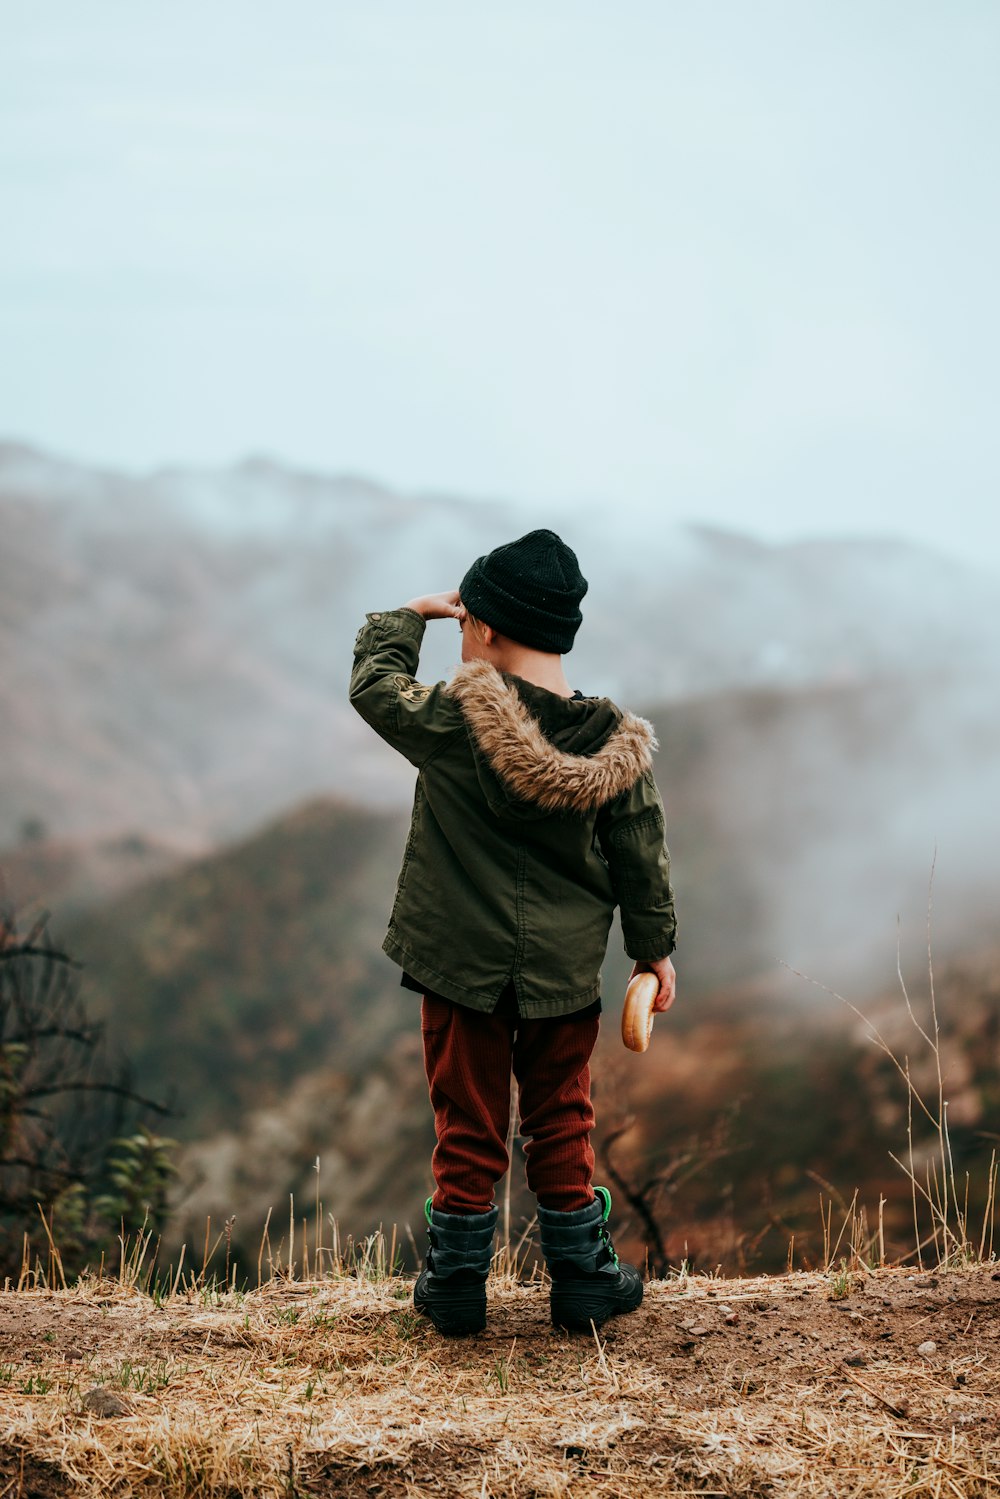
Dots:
{"x": 630, "y": 832}
{"x": 413, "y": 718}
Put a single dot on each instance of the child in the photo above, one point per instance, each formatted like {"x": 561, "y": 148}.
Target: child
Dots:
{"x": 535, "y": 814}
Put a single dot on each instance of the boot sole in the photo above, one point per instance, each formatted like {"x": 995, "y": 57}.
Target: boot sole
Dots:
{"x": 458, "y": 1315}
{"x": 576, "y": 1311}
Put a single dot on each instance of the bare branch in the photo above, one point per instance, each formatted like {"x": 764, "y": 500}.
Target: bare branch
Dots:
{"x": 96, "y": 1087}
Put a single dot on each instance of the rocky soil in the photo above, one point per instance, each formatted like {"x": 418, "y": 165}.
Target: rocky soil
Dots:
{"x": 876, "y": 1383}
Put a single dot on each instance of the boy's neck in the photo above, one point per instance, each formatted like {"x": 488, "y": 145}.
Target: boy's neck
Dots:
{"x": 538, "y": 667}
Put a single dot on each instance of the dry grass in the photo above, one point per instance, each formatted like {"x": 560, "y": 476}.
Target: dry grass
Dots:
{"x": 867, "y": 1379}
{"x": 754, "y": 1387}
{"x": 946, "y": 1233}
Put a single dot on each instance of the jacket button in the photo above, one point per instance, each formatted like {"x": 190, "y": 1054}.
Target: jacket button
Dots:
{"x": 374, "y": 616}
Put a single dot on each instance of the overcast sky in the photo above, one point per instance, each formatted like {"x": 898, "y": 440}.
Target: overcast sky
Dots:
{"x": 731, "y": 262}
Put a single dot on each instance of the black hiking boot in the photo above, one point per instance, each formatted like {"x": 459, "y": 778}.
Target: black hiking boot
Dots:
{"x": 451, "y": 1288}
{"x": 589, "y": 1284}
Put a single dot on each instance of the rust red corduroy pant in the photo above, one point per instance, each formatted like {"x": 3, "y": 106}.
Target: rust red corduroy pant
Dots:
{"x": 469, "y": 1058}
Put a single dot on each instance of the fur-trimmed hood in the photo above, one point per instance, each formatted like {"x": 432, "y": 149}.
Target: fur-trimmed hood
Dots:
{"x": 528, "y": 759}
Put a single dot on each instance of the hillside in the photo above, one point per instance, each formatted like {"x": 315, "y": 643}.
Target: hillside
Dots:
{"x": 270, "y": 1017}
{"x": 801, "y": 824}
{"x": 250, "y": 988}
{"x": 312, "y": 1388}
{"x": 720, "y": 1143}
{"x": 175, "y": 645}
{"x": 175, "y": 653}
{"x": 223, "y": 982}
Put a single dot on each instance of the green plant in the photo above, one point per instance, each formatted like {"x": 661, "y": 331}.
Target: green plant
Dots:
{"x": 502, "y": 1370}
{"x": 841, "y": 1282}
{"x": 139, "y": 1169}
{"x": 62, "y": 1104}
{"x": 37, "y": 1384}
{"x": 324, "y": 1320}
{"x": 407, "y": 1323}
{"x": 144, "y": 1378}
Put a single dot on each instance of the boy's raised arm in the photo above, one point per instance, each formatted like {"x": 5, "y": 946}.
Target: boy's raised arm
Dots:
{"x": 438, "y": 605}
{"x": 410, "y": 716}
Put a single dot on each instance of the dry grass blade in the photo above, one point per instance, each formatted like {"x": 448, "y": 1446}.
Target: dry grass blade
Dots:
{"x": 941, "y": 1218}
{"x": 334, "y": 1385}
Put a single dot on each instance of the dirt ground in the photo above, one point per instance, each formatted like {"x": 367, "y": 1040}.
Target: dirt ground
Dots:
{"x": 884, "y": 1384}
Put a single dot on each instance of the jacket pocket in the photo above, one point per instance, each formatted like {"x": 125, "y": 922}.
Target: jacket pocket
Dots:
{"x": 411, "y": 839}
{"x": 641, "y": 864}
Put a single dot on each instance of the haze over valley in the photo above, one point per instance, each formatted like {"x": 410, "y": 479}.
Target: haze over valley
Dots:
{"x": 217, "y": 834}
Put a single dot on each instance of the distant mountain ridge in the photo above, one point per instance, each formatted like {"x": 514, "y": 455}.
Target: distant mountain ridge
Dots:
{"x": 175, "y": 646}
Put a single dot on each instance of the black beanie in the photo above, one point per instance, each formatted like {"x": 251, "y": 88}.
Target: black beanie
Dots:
{"x": 529, "y": 590}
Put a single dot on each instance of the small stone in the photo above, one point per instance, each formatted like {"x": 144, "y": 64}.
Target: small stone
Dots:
{"x": 700, "y": 1330}
{"x": 927, "y": 1348}
{"x": 104, "y": 1403}
{"x": 732, "y": 1318}
{"x": 855, "y": 1361}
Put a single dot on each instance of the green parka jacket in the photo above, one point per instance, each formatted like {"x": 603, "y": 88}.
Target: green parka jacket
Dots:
{"x": 534, "y": 816}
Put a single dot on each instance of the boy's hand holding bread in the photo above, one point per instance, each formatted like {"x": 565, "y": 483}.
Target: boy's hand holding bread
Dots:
{"x": 651, "y": 990}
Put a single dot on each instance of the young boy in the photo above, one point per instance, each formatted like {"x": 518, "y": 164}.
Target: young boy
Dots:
{"x": 535, "y": 814}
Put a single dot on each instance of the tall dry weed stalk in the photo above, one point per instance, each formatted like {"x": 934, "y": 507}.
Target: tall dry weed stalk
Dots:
{"x": 941, "y": 1217}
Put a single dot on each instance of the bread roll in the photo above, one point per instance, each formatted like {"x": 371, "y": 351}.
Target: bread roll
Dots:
{"x": 637, "y": 1016}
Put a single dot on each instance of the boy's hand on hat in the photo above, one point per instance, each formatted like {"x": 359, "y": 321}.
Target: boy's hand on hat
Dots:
{"x": 664, "y": 970}
{"x": 438, "y": 605}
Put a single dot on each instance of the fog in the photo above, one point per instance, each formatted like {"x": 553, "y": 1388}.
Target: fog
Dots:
{"x": 176, "y": 654}
{"x": 820, "y": 827}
